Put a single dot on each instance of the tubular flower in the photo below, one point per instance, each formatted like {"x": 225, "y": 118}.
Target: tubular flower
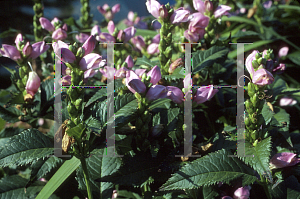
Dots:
{"x": 204, "y": 93}
{"x": 285, "y": 159}
{"x": 33, "y": 83}
{"x": 155, "y": 75}
{"x": 262, "y": 77}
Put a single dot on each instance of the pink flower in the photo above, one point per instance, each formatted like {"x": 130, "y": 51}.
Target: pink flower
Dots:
{"x": 91, "y": 61}
{"x": 194, "y": 36}
{"x": 199, "y": 6}
{"x": 89, "y": 45}
{"x": 208, "y": 5}
{"x": 33, "y": 83}
{"x": 46, "y": 24}
{"x": 111, "y": 27}
{"x": 10, "y": 52}
{"x": 66, "y": 80}
{"x": 18, "y": 39}
{"x": 59, "y": 34}
{"x": 82, "y": 37}
{"x": 267, "y": 4}
{"x": 129, "y": 33}
{"x": 134, "y": 83}
{"x": 242, "y": 193}
{"x": 90, "y": 73}
{"x": 221, "y": 10}
{"x": 95, "y": 30}
{"x": 105, "y": 38}
{"x": 108, "y": 72}
{"x": 156, "y": 39}
{"x": 175, "y": 94}
{"x": 116, "y": 8}
{"x": 285, "y": 159}
{"x": 140, "y": 72}
{"x": 107, "y": 13}
{"x": 153, "y": 48}
{"x": 139, "y": 42}
{"x": 199, "y": 21}
{"x": 283, "y": 51}
{"x": 155, "y": 75}
{"x": 121, "y": 73}
{"x": 153, "y": 8}
{"x": 61, "y": 48}
{"x": 262, "y": 77}
{"x": 287, "y": 101}
{"x": 279, "y": 69}
{"x": 180, "y": 15}
{"x": 163, "y": 12}
{"x": 27, "y": 49}
{"x": 156, "y": 92}
{"x": 129, "y": 61}
{"x": 38, "y": 49}
{"x": 204, "y": 93}
{"x": 249, "y": 60}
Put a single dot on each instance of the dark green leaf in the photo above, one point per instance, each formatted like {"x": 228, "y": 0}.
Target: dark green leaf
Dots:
{"x": 121, "y": 100}
{"x": 259, "y": 156}
{"x": 144, "y": 61}
{"x": 244, "y": 34}
{"x": 177, "y": 74}
{"x": 76, "y": 131}
{"x": 47, "y": 91}
{"x": 295, "y": 57}
{"x": 206, "y": 58}
{"x": 100, "y": 93}
{"x": 10, "y": 114}
{"x": 209, "y": 170}
{"x": 160, "y": 103}
{"x": 267, "y": 113}
{"x": 26, "y": 147}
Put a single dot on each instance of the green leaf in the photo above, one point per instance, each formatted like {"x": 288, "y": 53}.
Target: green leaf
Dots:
{"x": 280, "y": 117}
{"x": 59, "y": 177}
{"x": 144, "y": 32}
{"x": 17, "y": 98}
{"x": 99, "y": 167}
{"x": 289, "y": 7}
{"x": 26, "y": 147}
{"x": 6, "y": 133}
{"x": 45, "y": 166}
{"x": 160, "y": 103}
{"x": 209, "y": 170}
{"x": 293, "y": 187}
{"x": 295, "y": 57}
{"x": 9, "y": 33}
{"x": 122, "y": 100}
{"x": 100, "y": 93}
{"x": 10, "y": 114}
{"x": 259, "y": 156}
{"x": 178, "y": 73}
{"x": 206, "y": 58}
{"x": 244, "y": 34}
{"x": 14, "y": 187}
{"x": 47, "y": 91}
{"x": 240, "y": 20}
{"x": 144, "y": 61}
{"x": 76, "y": 131}
{"x": 267, "y": 113}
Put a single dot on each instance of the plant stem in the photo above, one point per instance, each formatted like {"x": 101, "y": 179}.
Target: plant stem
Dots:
{"x": 86, "y": 178}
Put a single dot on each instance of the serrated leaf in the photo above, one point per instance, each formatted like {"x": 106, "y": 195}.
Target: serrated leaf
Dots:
{"x": 99, "y": 167}
{"x": 100, "y": 93}
{"x": 76, "y": 131}
{"x": 14, "y": 187}
{"x": 47, "y": 165}
{"x": 267, "y": 113}
{"x": 282, "y": 120}
{"x": 160, "y": 103}
{"x": 209, "y": 170}
{"x": 259, "y": 156}
{"x": 177, "y": 74}
{"x": 122, "y": 100}
{"x": 17, "y": 98}
{"x": 206, "y": 58}
{"x": 26, "y": 147}
{"x": 144, "y": 61}
{"x": 10, "y": 114}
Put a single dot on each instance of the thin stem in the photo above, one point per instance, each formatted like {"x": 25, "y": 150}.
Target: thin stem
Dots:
{"x": 86, "y": 178}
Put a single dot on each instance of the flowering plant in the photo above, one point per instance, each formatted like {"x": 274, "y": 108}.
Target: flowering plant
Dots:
{"x": 153, "y": 106}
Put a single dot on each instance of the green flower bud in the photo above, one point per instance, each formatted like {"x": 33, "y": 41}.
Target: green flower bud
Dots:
{"x": 72, "y": 49}
{"x": 21, "y": 73}
{"x": 255, "y": 142}
{"x": 255, "y": 64}
{"x": 254, "y": 100}
{"x": 248, "y": 105}
{"x": 254, "y": 135}
{"x": 137, "y": 96}
{"x": 251, "y": 89}
{"x": 80, "y": 52}
{"x": 247, "y": 121}
{"x": 75, "y": 45}
{"x": 71, "y": 109}
{"x": 258, "y": 55}
{"x": 260, "y": 60}
{"x": 168, "y": 51}
{"x": 24, "y": 79}
{"x": 78, "y": 103}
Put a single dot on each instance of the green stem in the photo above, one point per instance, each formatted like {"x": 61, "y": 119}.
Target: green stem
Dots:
{"x": 86, "y": 178}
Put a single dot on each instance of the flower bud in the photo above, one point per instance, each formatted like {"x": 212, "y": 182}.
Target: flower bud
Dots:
{"x": 204, "y": 93}
{"x": 283, "y": 51}
{"x": 27, "y": 49}
{"x": 89, "y": 45}
{"x": 255, "y": 64}
{"x": 242, "y": 193}
{"x": 180, "y": 15}
{"x": 155, "y": 74}
{"x": 153, "y": 8}
{"x": 287, "y": 101}
{"x": 258, "y": 55}
{"x": 208, "y": 5}
{"x": 129, "y": 61}
{"x": 33, "y": 83}
{"x": 163, "y": 12}
{"x": 80, "y": 52}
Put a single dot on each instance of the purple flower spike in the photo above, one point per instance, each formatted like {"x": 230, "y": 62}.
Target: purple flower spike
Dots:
{"x": 46, "y": 24}
{"x": 180, "y": 15}
{"x": 262, "y": 77}
{"x": 134, "y": 83}
{"x": 156, "y": 92}
{"x": 242, "y": 193}
{"x": 38, "y": 49}
{"x": 221, "y": 10}
{"x": 204, "y": 93}
{"x": 89, "y": 45}
{"x": 285, "y": 159}
{"x": 175, "y": 94}
{"x": 10, "y": 52}
{"x": 153, "y": 8}
{"x": 59, "y": 34}
{"x": 129, "y": 61}
{"x": 155, "y": 75}
{"x": 82, "y": 37}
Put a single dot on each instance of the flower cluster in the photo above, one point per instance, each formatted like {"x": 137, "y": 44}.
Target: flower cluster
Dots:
{"x": 109, "y": 12}
{"x": 55, "y": 27}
